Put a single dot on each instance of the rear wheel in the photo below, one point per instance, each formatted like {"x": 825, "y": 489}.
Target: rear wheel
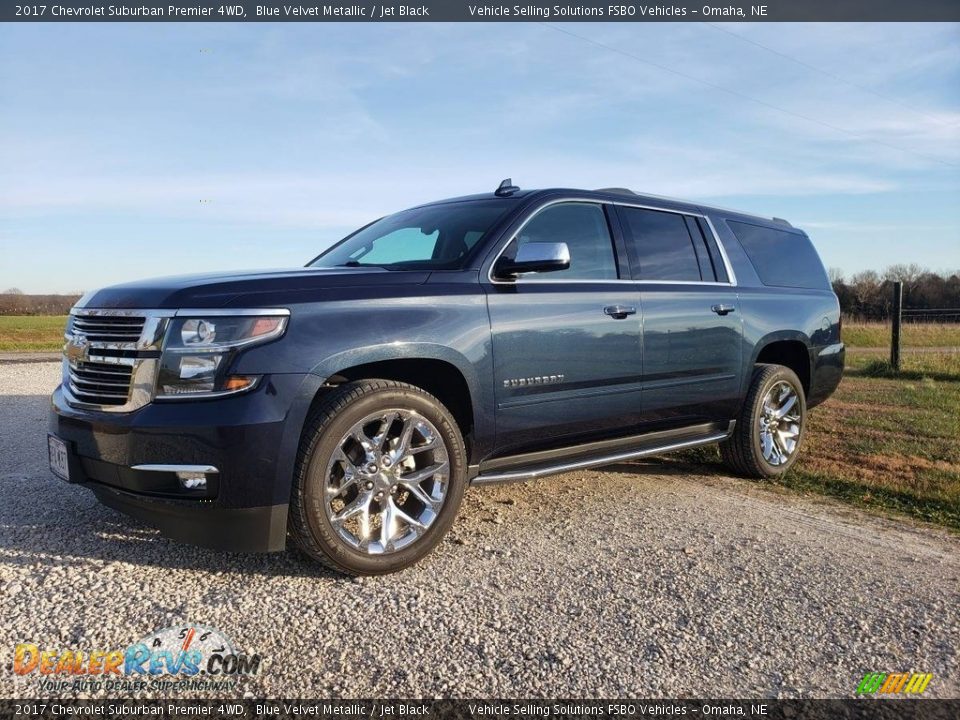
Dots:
{"x": 769, "y": 431}
{"x": 379, "y": 478}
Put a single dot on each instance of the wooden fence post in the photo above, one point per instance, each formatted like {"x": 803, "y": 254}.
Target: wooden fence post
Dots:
{"x": 895, "y": 328}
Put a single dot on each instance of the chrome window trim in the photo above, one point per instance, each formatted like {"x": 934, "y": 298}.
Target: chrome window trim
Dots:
{"x": 723, "y": 252}
{"x": 595, "y": 201}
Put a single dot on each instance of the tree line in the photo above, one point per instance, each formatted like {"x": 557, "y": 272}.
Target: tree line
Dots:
{"x": 14, "y": 302}
{"x": 868, "y": 295}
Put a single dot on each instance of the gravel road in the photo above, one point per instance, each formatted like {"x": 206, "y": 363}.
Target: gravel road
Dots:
{"x": 644, "y": 579}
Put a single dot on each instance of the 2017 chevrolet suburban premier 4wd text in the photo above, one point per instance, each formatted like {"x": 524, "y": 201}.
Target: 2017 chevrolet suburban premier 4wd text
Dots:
{"x": 347, "y": 405}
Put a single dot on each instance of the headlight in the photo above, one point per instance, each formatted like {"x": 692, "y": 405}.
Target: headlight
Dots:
{"x": 200, "y": 349}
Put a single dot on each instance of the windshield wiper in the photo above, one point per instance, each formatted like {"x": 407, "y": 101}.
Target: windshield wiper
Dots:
{"x": 357, "y": 263}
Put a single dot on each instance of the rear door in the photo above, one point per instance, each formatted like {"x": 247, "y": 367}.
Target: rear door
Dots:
{"x": 566, "y": 344}
{"x": 692, "y": 333}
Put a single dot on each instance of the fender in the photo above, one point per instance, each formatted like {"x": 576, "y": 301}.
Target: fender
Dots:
{"x": 290, "y": 441}
{"x": 757, "y": 347}
{"x": 778, "y": 336}
{"x": 330, "y": 366}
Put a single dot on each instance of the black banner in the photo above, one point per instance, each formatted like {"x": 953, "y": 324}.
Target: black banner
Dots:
{"x": 478, "y": 11}
{"x": 250, "y": 709}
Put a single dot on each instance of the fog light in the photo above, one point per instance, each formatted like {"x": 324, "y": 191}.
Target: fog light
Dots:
{"x": 192, "y": 480}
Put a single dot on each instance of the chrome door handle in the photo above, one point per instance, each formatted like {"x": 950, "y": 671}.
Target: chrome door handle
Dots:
{"x": 722, "y": 309}
{"x": 620, "y": 311}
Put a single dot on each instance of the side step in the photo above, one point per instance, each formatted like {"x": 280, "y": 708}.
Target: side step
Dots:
{"x": 529, "y": 467}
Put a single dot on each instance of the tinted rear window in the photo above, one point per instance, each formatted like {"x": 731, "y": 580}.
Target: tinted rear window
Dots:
{"x": 781, "y": 258}
{"x": 660, "y": 245}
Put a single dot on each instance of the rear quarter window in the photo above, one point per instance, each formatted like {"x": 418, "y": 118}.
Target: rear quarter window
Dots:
{"x": 781, "y": 258}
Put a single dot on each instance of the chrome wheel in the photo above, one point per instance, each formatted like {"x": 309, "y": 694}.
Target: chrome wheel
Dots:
{"x": 386, "y": 481}
{"x": 779, "y": 423}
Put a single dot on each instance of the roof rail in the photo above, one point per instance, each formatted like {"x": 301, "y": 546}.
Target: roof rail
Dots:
{"x": 616, "y": 191}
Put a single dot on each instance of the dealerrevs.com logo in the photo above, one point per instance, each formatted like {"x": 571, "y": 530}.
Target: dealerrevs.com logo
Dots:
{"x": 181, "y": 657}
{"x": 894, "y": 683}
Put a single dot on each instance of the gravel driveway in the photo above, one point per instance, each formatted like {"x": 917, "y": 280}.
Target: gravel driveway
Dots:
{"x": 643, "y": 579}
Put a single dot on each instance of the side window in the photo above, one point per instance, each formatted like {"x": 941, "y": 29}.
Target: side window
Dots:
{"x": 781, "y": 258}
{"x": 660, "y": 245}
{"x": 583, "y": 227}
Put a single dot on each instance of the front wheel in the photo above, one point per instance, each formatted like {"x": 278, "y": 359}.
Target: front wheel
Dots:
{"x": 770, "y": 429}
{"x": 379, "y": 478}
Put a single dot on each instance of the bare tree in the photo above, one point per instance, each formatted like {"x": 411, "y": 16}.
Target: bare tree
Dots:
{"x": 907, "y": 274}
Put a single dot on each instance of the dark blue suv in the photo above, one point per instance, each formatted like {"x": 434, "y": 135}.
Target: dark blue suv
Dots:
{"x": 348, "y": 404}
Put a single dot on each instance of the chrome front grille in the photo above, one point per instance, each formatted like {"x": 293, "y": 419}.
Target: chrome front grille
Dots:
{"x": 108, "y": 328}
{"x": 111, "y": 357}
{"x": 100, "y": 383}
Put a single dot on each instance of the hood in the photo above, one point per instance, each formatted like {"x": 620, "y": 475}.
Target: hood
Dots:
{"x": 244, "y": 288}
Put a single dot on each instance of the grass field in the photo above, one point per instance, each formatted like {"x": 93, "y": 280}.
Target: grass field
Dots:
{"x": 888, "y": 443}
{"x": 877, "y": 334}
{"x": 31, "y": 332}
{"x": 914, "y": 365}
{"x": 883, "y": 443}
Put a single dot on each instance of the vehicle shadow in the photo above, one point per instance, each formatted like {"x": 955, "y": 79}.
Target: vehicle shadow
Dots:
{"x": 701, "y": 461}
{"x": 46, "y": 521}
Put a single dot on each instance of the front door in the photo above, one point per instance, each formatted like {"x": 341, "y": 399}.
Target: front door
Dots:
{"x": 566, "y": 344}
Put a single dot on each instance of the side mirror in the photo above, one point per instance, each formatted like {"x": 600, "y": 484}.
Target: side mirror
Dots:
{"x": 535, "y": 257}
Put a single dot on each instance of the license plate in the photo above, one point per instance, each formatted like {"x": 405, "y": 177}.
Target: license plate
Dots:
{"x": 59, "y": 462}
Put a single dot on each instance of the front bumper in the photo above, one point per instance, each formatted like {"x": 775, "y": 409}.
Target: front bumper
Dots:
{"x": 255, "y": 529}
{"x": 251, "y": 439}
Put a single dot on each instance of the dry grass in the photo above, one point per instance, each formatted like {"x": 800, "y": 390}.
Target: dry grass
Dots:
{"x": 914, "y": 365}
{"x": 31, "y": 332}
{"x": 877, "y": 334}
{"x": 887, "y": 442}
{"x": 890, "y": 443}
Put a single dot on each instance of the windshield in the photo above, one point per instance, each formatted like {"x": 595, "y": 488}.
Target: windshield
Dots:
{"x": 431, "y": 237}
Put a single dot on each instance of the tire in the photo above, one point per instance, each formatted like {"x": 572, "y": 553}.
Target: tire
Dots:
{"x": 363, "y": 529}
{"x": 755, "y": 452}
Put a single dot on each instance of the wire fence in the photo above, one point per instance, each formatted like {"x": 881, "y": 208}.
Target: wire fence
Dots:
{"x": 930, "y": 315}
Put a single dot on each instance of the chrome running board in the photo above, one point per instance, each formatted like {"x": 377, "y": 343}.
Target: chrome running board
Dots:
{"x": 566, "y": 466}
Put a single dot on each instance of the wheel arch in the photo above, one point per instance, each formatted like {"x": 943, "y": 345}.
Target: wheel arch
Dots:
{"x": 790, "y": 349}
{"x": 440, "y": 371}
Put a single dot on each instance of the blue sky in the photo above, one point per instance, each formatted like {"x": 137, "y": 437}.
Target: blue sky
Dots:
{"x": 132, "y": 150}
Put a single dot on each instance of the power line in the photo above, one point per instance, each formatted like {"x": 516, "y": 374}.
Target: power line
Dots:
{"x": 748, "y": 98}
{"x": 832, "y": 76}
